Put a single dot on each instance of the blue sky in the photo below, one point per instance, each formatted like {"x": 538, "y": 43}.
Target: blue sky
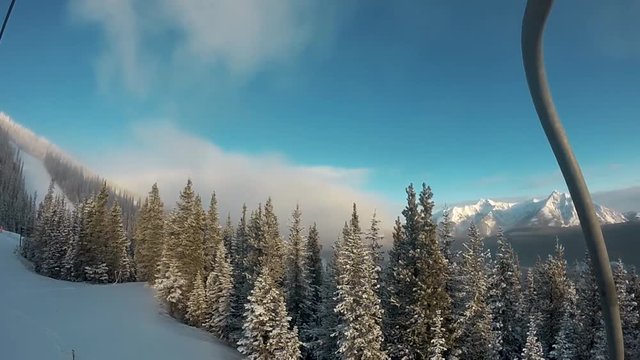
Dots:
{"x": 373, "y": 94}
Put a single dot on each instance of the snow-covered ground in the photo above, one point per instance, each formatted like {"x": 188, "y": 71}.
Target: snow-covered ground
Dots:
{"x": 43, "y": 318}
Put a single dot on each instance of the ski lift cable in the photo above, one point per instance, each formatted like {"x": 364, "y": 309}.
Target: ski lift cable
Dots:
{"x": 6, "y": 18}
{"x": 533, "y": 24}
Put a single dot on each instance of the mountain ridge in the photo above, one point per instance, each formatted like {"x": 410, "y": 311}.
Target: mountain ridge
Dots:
{"x": 555, "y": 210}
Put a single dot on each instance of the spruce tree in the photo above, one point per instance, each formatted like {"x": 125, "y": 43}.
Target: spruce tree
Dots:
{"x": 326, "y": 347}
{"x": 359, "y": 332}
{"x": 565, "y": 347}
{"x": 171, "y": 286}
{"x": 589, "y": 310}
{"x": 628, "y": 310}
{"x": 552, "y": 291}
{"x": 197, "y": 303}
{"x": 438, "y": 343}
{"x": 213, "y": 234}
{"x": 476, "y": 338}
{"x": 121, "y": 263}
{"x": 506, "y": 299}
{"x": 149, "y": 236}
{"x": 219, "y": 291}
{"x": 533, "y": 348}
{"x": 315, "y": 274}
{"x": 266, "y": 333}
{"x": 298, "y": 291}
{"x": 241, "y": 284}
{"x": 374, "y": 240}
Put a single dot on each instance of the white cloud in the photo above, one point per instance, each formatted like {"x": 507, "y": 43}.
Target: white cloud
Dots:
{"x": 241, "y": 37}
{"x": 122, "y": 56}
{"x": 169, "y": 156}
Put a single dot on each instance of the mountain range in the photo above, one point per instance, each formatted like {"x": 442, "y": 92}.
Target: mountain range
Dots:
{"x": 556, "y": 210}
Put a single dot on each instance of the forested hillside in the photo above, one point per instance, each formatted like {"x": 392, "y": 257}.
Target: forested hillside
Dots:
{"x": 272, "y": 296}
{"x": 17, "y": 207}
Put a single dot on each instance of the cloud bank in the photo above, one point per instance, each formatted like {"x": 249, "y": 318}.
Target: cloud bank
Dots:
{"x": 239, "y": 37}
{"x": 169, "y": 156}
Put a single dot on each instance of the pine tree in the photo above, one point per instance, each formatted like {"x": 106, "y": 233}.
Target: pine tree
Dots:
{"x": 171, "y": 286}
{"x": 184, "y": 243}
{"x": 298, "y": 291}
{"x": 552, "y": 291}
{"x": 533, "y": 348}
{"x": 197, "y": 303}
{"x": 149, "y": 236}
{"x": 213, "y": 234}
{"x": 219, "y": 291}
{"x": 399, "y": 280}
{"x": 438, "y": 342}
{"x": 374, "y": 241}
{"x": 315, "y": 274}
{"x": 69, "y": 263}
{"x": 120, "y": 262}
{"x": 98, "y": 230}
{"x": 241, "y": 284}
{"x": 565, "y": 344}
{"x": 275, "y": 247}
{"x": 589, "y": 311}
{"x": 628, "y": 310}
{"x": 506, "y": 299}
{"x": 327, "y": 344}
{"x": 476, "y": 338}
{"x": 266, "y": 333}
{"x": 55, "y": 238}
{"x": 359, "y": 332}
{"x": 445, "y": 234}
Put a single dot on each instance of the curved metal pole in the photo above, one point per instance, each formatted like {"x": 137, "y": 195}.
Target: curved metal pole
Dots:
{"x": 533, "y": 23}
{"x": 6, "y": 18}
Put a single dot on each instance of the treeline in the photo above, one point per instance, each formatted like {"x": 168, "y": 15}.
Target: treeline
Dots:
{"x": 17, "y": 206}
{"x": 276, "y": 299}
{"x": 77, "y": 185}
{"x": 85, "y": 243}
{"x": 272, "y": 296}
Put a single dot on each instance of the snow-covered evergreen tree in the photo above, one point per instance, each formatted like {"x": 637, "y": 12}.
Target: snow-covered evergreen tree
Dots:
{"x": 438, "y": 343}
{"x": 565, "y": 347}
{"x": 506, "y": 299}
{"x": 360, "y": 313}
{"x": 533, "y": 347}
{"x": 149, "y": 236}
{"x": 241, "y": 284}
{"x": 326, "y": 347}
{"x": 213, "y": 234}
{"x": 184, "y": 244}
{"x": 219, "y": 291}
{"x": 298, "y": 290}
{"x": 315, "y": 274}
{"x": 476, "y": 338}
{"x": 429, "y": 280}
{"x": 197, "y": 306}
{"x": 120, "y": 262}
{"x": 589, "y": 311}
{"x": 552, "y": 291}
{"x": 374, "y": 240}
{"x": 628, "y": 311}
{"x": 266, "y": 333}
{"x": 171, "y": 286}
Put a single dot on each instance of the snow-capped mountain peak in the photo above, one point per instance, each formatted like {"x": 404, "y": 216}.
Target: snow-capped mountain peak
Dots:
{"x": 554, "y": 210}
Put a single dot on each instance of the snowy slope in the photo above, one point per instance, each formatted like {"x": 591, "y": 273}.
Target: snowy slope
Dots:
{"x": 42, "y": 318}
{"x": 36, "y": 176}
{"x": 555, "y": 210}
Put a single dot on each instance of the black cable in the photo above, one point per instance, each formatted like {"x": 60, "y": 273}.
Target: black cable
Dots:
{"x": 533, "y": 23}
{"x": 6, "y": 18}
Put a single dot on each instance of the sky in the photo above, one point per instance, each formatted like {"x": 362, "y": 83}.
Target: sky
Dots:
{"x": 296, "y": 97}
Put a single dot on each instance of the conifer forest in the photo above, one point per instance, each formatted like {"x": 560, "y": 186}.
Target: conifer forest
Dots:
{"x": 273, "y": 296}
